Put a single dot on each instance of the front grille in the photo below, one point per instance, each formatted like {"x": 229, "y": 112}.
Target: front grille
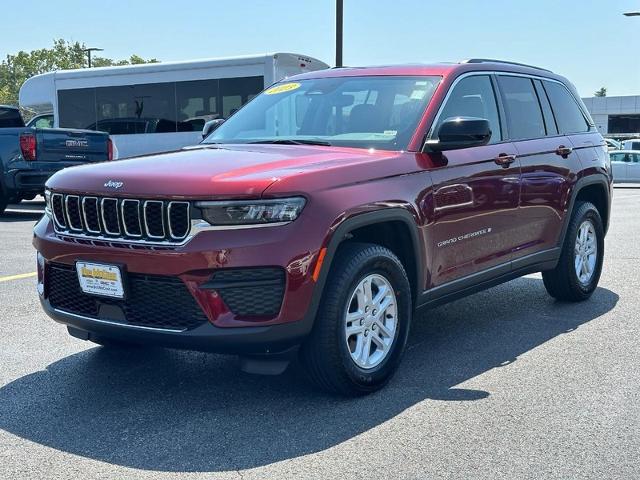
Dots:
{"x": 151, "y": 221}
{"x": 250, "y": 292}
{"x": 151, "y": 300}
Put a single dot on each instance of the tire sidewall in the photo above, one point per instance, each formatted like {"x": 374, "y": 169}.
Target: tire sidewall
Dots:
{"x": 388, "y": 268}
{"x": 589, "y": 213}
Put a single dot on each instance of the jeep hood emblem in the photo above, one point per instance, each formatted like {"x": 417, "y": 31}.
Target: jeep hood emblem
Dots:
{"x": 113, "y": 184}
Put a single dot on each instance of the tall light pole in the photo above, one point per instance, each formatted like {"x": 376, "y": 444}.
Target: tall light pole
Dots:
{"x": 88, "y": 52}
{"x": 339, "y": 9}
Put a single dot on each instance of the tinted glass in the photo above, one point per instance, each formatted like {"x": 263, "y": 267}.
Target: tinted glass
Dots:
{"x": 364, "y": 112}
{"x": 77, "y": 108}
{"x": 524, "y": 116}
{"x": 549, "y": 119}
{"x": 473, "y": 97}
{"x": 568, "y": 115}
{"x": 137, "y": 108}
{"x": 197, "y": 104}
{"x": 235, "y": 92}
{"x": 10, "y": 118}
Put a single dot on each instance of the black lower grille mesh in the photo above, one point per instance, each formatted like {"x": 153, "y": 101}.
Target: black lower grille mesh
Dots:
{"x": 151, "y": 301}
{"x": 250, "y": 291}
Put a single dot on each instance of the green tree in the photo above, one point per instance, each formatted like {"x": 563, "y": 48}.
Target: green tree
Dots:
{"x": 601, "y": 93}
{"x": 64, "y": 55}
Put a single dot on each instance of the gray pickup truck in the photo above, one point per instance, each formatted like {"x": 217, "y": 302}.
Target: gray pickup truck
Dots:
{"x": 29, "y": 156}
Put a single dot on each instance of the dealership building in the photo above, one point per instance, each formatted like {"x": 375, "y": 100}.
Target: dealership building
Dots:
{"x": 616, "y": 116}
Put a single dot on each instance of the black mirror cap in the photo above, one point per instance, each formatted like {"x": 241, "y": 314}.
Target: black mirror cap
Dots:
{"x": 210, "y": 126}
{"x": 461, "y": 132}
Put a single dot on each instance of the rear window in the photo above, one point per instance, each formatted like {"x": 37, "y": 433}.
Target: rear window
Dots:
{"x": 10, "y": 118}
{"x": 568, "y": 115}
{"x": 524, "y": 117}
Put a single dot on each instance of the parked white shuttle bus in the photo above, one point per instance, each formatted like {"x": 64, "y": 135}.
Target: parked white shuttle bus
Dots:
{"x": 157, "y": 107}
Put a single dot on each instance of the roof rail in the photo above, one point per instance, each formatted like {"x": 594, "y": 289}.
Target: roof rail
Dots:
{"x": 491, "y": 60}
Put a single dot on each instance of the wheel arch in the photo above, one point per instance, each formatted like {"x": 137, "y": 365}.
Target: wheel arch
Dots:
{"x": 595, "y": 189}
{"x": 379, "y": 223}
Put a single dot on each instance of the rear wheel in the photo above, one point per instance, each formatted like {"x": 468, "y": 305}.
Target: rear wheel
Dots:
{"x": 363, "y": 321}
{"x": 576, "y": 276}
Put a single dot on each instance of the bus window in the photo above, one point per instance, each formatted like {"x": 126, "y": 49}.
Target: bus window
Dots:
{"x": 197, "y": 104}
{"x": 235, "y": 92}
{"x": 77, "y": 108}
{"x": 147, "y": 108}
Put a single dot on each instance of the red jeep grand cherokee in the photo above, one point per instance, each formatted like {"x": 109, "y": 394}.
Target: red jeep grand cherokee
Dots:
{"x": 324, "y": 213}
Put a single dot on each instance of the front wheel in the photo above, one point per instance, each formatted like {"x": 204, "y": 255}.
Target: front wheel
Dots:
{"x": 576, "y": 276}
{"x": 363, "y": 321}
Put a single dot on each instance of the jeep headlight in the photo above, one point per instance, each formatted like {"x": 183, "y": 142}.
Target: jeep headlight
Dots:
{"x": 251, "y": 212}
{"x": 47, "y": 203}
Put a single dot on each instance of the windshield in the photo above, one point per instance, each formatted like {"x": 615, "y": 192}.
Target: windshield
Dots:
{"x": 365, "y": 112}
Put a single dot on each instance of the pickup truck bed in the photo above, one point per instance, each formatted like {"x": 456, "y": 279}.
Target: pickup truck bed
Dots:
{"x": 29, "y": 156}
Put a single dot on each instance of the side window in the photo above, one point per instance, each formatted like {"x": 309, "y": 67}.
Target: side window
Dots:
{"x": 197, "y": 103}
{"x": 144, "y": 108}
{"x": 549, "y": 120}
{"x": 235, "y": 92}
{"x": 616, "y": 157}
{"x": 524, "y": 116}
{"x": 474, "y": 97}
{"x": 77, "y": 108}
{"x": 567, "y": 112}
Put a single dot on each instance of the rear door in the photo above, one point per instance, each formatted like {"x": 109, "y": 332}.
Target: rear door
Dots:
{"x": 71, "y": 146}
{"x": 475, "y": 199}
{"x": 547, "y": 163}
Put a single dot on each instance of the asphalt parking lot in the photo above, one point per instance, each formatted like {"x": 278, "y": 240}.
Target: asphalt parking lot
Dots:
{"x": 503, "y": 384}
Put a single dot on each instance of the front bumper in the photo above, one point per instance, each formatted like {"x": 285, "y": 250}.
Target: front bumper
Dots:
{"x": 196, "y": 264}
{"x": 259, "y": 340}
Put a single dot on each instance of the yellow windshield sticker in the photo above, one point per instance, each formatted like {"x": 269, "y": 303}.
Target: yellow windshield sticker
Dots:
{"x": 284, "y": 87}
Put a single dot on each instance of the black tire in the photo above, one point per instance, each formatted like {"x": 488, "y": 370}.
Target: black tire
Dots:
{"x": 325, "y": 352}
{"x": 562, "y": 282}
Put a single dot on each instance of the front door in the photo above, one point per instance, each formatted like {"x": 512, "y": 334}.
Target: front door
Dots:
{"x": 475, "y": 193}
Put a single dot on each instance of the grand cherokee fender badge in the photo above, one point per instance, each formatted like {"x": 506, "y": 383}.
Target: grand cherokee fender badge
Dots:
{"x": 113, "y": 184}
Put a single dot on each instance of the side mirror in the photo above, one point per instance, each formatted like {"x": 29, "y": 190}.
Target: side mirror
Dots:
{"x": 210, "y": 126}
{"x": 461, "y": 132}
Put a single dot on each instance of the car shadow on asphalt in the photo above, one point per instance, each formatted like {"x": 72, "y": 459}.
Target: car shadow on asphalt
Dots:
{"x": 165, "y": 410}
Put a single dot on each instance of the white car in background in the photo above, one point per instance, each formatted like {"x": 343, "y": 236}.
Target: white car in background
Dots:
{"x": 613, "y": 144}
{"x": 633, "y": 144}
{"x": 626, "y": 166}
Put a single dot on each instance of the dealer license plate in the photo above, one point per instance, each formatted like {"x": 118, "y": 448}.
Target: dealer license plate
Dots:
{"x": 100, "y": 279}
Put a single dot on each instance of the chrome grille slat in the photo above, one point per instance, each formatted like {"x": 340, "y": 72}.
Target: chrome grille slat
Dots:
{"x": 126, "y": 220}
{"x": 72, "y": 209}
{"x": 108, "y": 208}
{"x": 147, "y": 214}
{"x": 174, "y": 226}
{"x": 57, "y": 206}
{"x": 122, "y": 220}
{"x": 89, "y": 212}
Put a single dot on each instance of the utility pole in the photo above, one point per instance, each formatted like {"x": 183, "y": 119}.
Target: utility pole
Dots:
{"x": 339, "y": 22}
{"x": 88, "y": 52}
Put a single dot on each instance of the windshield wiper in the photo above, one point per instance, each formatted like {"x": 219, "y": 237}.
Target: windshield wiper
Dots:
{"x": 290, "y": 141}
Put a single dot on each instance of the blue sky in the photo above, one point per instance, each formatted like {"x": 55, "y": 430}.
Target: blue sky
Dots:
{"x": 589, "y": 41}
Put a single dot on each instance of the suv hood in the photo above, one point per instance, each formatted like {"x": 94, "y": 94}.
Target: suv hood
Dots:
{"x": 238, "y": 171}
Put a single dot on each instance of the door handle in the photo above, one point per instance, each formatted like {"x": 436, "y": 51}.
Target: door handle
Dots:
{"x": 504, "y": 160}
{"x": 563, "y": 151}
